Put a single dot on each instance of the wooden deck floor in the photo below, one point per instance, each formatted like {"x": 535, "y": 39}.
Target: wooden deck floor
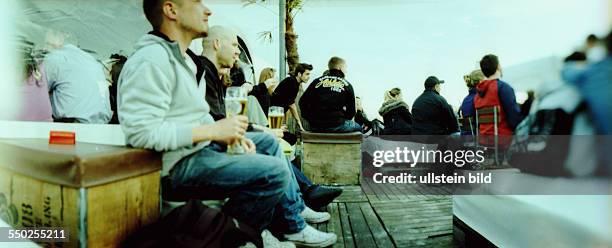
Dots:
{"x": 390, "y": 215}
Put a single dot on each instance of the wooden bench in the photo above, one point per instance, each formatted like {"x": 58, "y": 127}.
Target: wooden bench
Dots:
{"x": 98, "y": 193}
{"x": 332, "y": 158}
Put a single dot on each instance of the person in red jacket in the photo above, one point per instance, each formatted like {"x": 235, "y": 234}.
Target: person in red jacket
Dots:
{"x": 494, "y": 92}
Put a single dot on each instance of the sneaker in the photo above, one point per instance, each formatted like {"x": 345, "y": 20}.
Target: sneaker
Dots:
{"x": 314, "y": 217}
{"x": 310, "y": 237}
{"x": 269, "y": 241}
{"x": 318, "y": 196}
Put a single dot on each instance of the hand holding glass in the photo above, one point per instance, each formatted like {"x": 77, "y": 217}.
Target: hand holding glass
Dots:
{"x": 235, "y": 104}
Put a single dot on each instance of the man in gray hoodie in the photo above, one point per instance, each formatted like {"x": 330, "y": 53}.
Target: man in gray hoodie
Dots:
{"x": 161, "y": 107}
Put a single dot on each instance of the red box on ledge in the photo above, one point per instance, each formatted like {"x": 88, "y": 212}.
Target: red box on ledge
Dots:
{"x": 62, "y": 138}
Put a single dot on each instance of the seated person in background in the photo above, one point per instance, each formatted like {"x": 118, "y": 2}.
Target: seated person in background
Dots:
{"x": 431, "y": 114}
{"x": 78, "y": 86}
{"x": 594, "y": 49}
{"x": 361, "y": 118}
{"x": 219, "y": 55}
{"x": 116, "y": 68}
{"x": 36, "y": 105}
{"x": 467, "y": 106}
{"x": 395, "y": 113}
{"x": 526, "y": 106}
{"x": 162, "y": 107}
{"x": 287, "y": 90}
{"x": 238, "y": 78}
{"x": 328, "y": 104}
{"x": 265, "y": 88}
{"x": 494, "y": 92}
{"x": 595, "y": 84}
{"x": 560, "y": 111}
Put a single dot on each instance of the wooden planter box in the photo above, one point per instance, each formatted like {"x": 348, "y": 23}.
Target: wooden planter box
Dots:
{"x": 332, "y": 158}
{"x": 98, "y": 193}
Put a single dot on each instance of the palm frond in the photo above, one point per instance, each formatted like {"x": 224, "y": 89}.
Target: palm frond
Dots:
{"x": 265, "y": 36}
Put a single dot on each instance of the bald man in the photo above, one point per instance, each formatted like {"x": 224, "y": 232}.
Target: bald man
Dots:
{"x": 220, "y": 49}
{"x": 161, "y": 108}
{"x": 220, "y": 53}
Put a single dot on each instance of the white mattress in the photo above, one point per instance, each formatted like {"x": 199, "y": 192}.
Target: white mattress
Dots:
{"x": 539, "y": 220}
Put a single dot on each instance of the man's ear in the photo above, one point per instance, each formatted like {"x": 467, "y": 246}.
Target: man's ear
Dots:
{"x": 169, "y": 9}
{"x": 216, "y": 44}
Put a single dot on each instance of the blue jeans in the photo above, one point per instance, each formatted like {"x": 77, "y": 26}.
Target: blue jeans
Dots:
{"x": 302, "y": 180}
{"x": 348, "y": 126}
{"x": 261, "y": 187}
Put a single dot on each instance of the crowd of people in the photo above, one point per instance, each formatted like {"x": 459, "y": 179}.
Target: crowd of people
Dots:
{"x": 168, "y": 99}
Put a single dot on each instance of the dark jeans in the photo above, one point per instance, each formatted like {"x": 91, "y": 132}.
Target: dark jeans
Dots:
{"x": 302, "y": 180}
{"x": 348, "y": 126}
{"x": 257, "y": 185}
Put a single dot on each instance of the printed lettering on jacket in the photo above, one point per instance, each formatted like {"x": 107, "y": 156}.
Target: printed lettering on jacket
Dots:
{"x": 335, "y": 83}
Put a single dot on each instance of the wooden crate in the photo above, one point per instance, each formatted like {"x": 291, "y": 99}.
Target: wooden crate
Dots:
{"x": 98, "y": 207}
{"x": 332, "y": 158}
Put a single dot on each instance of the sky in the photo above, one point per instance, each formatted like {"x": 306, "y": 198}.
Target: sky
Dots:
{"x": 400, "y": 43}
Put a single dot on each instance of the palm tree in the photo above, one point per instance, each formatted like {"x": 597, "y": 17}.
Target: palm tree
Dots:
{"x": 291, "y": 8}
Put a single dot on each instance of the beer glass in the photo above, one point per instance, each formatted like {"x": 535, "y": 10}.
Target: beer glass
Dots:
{"x": 275, "y": 117}
{"x": 235, "y": 104}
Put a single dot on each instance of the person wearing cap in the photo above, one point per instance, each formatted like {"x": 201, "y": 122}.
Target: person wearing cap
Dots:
{"x": 431, "y": 113}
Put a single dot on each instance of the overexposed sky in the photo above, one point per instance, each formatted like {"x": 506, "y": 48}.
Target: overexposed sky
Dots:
{"x": 400, "y": 43}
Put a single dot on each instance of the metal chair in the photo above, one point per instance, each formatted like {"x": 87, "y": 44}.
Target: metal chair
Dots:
{"x": 466, "y": 123}
{"x": 489, "y": 115}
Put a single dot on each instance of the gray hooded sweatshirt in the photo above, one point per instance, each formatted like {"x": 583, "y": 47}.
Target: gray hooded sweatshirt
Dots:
{"x": 160, "y": 100}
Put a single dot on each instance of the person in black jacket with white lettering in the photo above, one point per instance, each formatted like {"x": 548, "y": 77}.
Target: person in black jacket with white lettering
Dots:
{"x": 329, "y": 102}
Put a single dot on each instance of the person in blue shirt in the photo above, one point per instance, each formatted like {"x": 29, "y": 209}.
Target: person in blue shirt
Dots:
{"x": 467, "y": 106}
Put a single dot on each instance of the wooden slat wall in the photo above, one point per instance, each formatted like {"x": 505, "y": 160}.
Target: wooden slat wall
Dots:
{"x": 41, "y": 204}
{"x": 115, "y": 210}
{"x": 332, "y": 163}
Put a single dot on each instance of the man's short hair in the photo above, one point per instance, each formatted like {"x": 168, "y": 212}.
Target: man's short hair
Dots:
{"x": 592, "y": 38}
{"x": 301, "y": 68}
{"x": 153, "y": 10}
{"x": 335, "y": 63}
{"x": 489, "y": 64}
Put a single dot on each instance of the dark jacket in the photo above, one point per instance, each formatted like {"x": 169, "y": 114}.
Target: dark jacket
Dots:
{"x": 260, "y": 92}
{"x": 285, "y": 93}
{"x": 467, "y": 106}
{"x": 432, "y": 115}
{"x": 397, "y": 117}
{"x": 362, "y": 119}
{"x": 329, "y": 101}
{"x": 215, "y": 90}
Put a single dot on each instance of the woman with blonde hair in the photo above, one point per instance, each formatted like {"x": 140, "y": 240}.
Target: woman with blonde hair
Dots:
{"x": 263, "y": 90}
{"x": 467, "y": 106}
{"x": 471, "y": 80}
{"x": 266, "y": 76}
{"x": 396, "y": 114}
